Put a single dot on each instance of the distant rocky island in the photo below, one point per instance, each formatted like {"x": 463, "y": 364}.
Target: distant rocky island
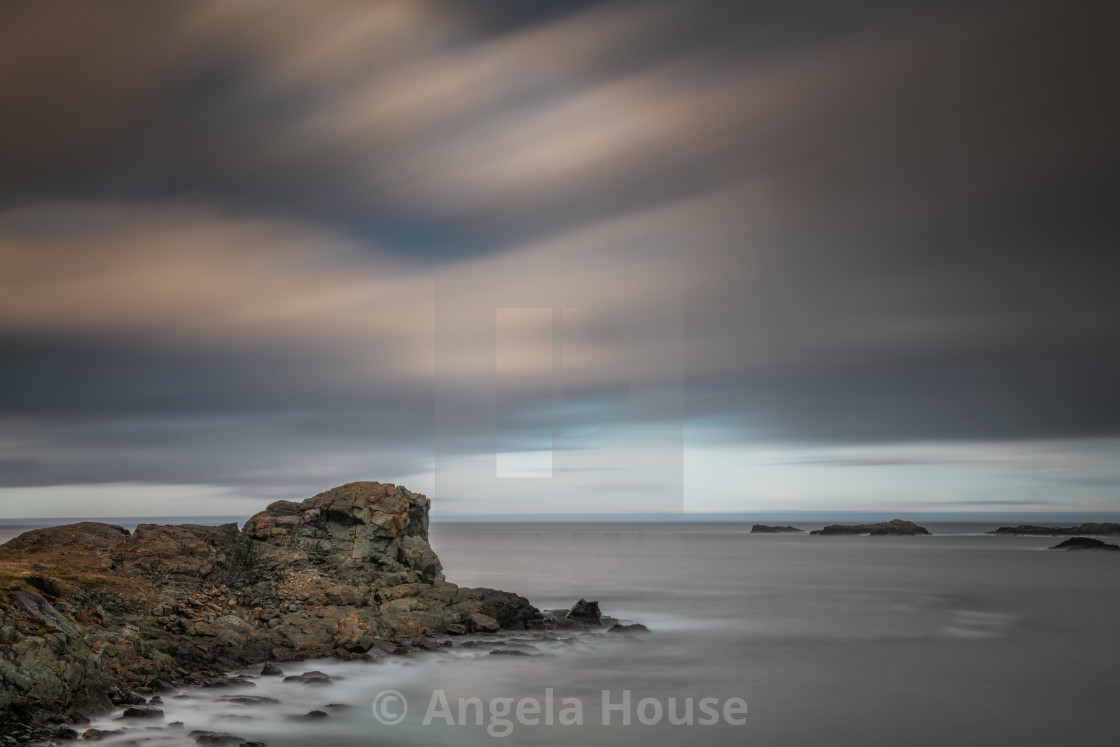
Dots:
{"x": 1085, "y": 543}
{"x": 92, "y": 616}
{"x": 764, "y": 529}
{"x": 1101, "y": 530}
{"x": 894, "y": 527}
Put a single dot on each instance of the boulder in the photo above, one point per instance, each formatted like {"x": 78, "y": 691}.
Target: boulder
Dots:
{"x": 585, "y": 612}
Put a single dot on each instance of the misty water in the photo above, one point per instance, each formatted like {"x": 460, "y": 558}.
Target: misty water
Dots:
{"x": 957, "y": 638}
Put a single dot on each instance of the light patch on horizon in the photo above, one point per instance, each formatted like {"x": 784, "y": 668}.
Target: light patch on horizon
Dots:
{"x": 1076, "y": 475}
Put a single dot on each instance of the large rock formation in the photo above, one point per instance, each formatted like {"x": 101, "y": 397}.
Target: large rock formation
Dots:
{"x": 90, "y": 614}
{"x": 892, "y": 527}
{"x": 766, "y": 529}
{"x": 1033, "y": 530}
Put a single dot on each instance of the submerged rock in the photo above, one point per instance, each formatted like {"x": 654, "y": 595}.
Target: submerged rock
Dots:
{"x": 215, "y": 738}
{"x": 894, "y": 527}
{"x": 631, "y": 629}
{"x": 1084, "y": 543}
{"x": 310, "y": 678}
{"x": 765, "y": 529}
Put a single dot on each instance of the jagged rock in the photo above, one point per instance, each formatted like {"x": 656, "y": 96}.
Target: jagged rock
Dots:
{"x": 1101, "y": 530}
{"x": 896, "y": 527}
{"x": 586, "y": 612}
{"x": 764, "y": 529}
{"x": 1084, "y": 543}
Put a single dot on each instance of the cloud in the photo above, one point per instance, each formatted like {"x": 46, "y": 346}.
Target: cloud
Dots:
{"x": 856, "y": 222}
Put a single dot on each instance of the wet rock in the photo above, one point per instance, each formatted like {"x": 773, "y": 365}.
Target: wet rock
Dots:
{"x": 120, "y": 697}
{"x": 312, "y": 715}
{"x": 98, "y": 734}
{"x": 142, "y": 712}
{"x": 271, "y": 670}
{"x": 584, "y": 611}
{"x": 631, "y": 629}
{"x": 221, "y": 682}
{"x": 894, "y": 527}
{"x": 1084, "y": 543}
{"x": 251, "y": 700}
{"x": 310, "y": 678}
{"x": 509, "y": 652}
{"x": 215, "y": 738}
{"x": 765, "y": 529}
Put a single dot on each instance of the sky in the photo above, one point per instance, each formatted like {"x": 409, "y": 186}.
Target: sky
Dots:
{"x": 559, "y": 258}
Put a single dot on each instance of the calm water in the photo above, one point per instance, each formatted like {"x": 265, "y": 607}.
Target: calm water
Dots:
{"x": 955, "y": 639}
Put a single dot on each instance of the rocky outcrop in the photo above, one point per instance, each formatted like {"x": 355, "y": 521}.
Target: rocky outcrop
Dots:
{"x": 1084, "y": 543}
{"x": 91, "y": 615}
{"x": 765, "y": 529}
{"x": 1101, "y": 530}
{"x": 896, "y": 527}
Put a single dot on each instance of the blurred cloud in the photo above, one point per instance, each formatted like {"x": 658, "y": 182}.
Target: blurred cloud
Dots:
{"x": 224, "y": 225}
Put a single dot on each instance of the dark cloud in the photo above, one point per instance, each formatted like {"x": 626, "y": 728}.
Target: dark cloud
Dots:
{"x": 219, "y": 221}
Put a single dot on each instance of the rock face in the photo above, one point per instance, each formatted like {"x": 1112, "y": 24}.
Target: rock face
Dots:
{"x": 1084, "y": 543}
{"x": 764, "y": 529}
{"x": 90, "y": 614}
{"x": 896, "y": 527}
{"x": 1101, "y": 530}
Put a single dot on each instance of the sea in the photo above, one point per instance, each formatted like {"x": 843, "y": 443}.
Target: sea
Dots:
{"x": 960, "y": 638}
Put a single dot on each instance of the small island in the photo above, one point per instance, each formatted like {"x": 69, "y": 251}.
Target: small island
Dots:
{"x": 894, "y": 527}
{"x": 1085, "y": 543}
{"x": 765, "y": 529}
